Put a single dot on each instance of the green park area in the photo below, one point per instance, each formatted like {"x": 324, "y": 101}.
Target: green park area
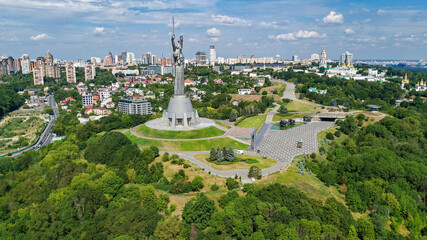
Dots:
{"x": 191, "y": 145}
{"x": 18, "y": 132}
{"x": 192, "y": 134}
{"x": 297, "y": 106}
{"x": 252, "y": 122}
{"x": 241, "y": 162}
{"x": 278, "y": 87}
{"x": 290, "y": 115}
{"x": 308, "y": 183}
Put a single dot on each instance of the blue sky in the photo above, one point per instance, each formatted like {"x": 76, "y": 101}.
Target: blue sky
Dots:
{"x": 371, "y": 29}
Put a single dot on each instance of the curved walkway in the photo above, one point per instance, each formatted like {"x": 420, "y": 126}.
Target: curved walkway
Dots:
{"x": 290, "y": 94}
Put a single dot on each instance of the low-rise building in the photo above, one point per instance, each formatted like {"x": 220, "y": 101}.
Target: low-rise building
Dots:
{"x": 87, "y": 99}
{"x": 244, "y": 91}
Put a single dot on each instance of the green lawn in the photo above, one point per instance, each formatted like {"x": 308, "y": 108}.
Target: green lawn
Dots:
{"x": 296, "y": 106}
{"x": 222, "y": 124}
{"x": 278, "y": 116}
{"x": 307, "y": 183}
{"x": 253, "y": 122}
{"x": 322, "y": 134}
{"x": 239, "y": 164}
{"x": 279, "y": 86}
{"x": 192, "y": 145}
{"x": 198, "y": 133}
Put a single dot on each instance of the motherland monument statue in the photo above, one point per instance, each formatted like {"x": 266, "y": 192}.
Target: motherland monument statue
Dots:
{"x": 180, "y": 114}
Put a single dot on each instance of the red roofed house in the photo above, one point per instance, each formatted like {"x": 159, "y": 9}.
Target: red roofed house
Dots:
{"x": 189, "y": 82}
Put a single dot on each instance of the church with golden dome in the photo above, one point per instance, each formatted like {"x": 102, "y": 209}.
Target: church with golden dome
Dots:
{"x": 421, "y": 86}
{"x": 405, "y": 81}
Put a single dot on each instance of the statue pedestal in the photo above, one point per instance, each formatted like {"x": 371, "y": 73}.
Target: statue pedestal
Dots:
{"x": 180, "y": 112}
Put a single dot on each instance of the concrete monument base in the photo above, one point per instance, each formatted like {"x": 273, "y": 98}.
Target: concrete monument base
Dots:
{"x": 160, "y": 125}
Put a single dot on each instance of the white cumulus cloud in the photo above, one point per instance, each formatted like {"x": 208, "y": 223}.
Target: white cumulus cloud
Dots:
{"x": 333, "y": 17}
{"x": 224, "y": 19}
{"x": 41, "y": 36}
{"x": 99, "y": 30}
{"x": 301, "y": 34}
{"x": 349, "y": 31}
{"x": 381, "y": 12}
{"x": 213, "y": 32}
{"x": 192, "y": 40}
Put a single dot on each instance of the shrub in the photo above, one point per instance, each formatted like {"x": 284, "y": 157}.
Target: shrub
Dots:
{"x": 337, "y": 134}
{"x": 283, "y": 110}
{"x": 330, "y": 136}
{"x": 186, "y": 165}
{"x": 231, "y": 184}
{"x": 214, "y": 187}
{"x": 313, "y": 156}
{"x": 251, "y": 161}
{"x": 255, "y": 172}
{"x": 165, "y": 157}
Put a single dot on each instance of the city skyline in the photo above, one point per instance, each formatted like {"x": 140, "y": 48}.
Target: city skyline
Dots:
{"x": 82, "y": 29}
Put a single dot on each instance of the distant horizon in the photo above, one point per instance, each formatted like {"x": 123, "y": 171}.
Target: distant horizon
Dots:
{"x": 80, "y": 29}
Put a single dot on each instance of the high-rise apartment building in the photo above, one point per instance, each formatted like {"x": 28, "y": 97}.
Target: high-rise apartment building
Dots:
{"x": 70, "y": 72}
{"x": 277, "y": 58}
{"x": 89, "y": 71}
{"x": 130, "y": 57}
{"x": 165, "y": 61}
{"x": 52, "y": 70}
{"x": 25, "y": 64}
{"x": 49, "y": 57}
{"x": 108, "y": 60}
{"x": 346, "y": 59}
{"x": 38, "y": 76}
{"x": 201, "y": 58}
{"x": 323, "y": 62}
{"x": 295, "y": 58}
{"x": 212, "y": 55}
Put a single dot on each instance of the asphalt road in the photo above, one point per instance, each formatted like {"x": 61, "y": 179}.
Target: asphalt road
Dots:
{"x": 47, "y": 135}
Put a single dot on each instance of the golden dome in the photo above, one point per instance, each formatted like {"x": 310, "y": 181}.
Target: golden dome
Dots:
{"x": 405, "y": 80}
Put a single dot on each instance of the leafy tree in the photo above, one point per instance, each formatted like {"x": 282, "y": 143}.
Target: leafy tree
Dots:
{"x": 233, "y": 115}
{"x": 155, "y": 150}
{"x": 283, "y": 110}
{"x": 365, "y": 229}
{"x": 231, "y": 184}
{"x": 255, "y": 172}
{"x": 214, "y": 187}
{"x": 165, "y": 157}
{"x": 169, "y": 228}
{"x": 329, "y": 136}
{"x": 197, "y": 183}
{"x": 198, "y": 211}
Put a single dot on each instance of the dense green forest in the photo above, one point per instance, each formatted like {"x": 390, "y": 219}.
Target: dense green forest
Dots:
{"x": 10, "y": 100}
{"x": 350, "y": 93}
{"x": 96, "y": 184}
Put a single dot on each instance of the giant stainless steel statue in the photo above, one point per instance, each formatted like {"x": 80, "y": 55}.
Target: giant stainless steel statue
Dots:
{"x": 180, "y": 111}
{"x": 178, "y": 61}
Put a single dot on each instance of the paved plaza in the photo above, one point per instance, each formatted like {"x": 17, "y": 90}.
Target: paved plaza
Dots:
{"x": 282, "y": 144}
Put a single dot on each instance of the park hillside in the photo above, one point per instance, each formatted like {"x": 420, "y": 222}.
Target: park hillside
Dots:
{"x": 367, "y": 181}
